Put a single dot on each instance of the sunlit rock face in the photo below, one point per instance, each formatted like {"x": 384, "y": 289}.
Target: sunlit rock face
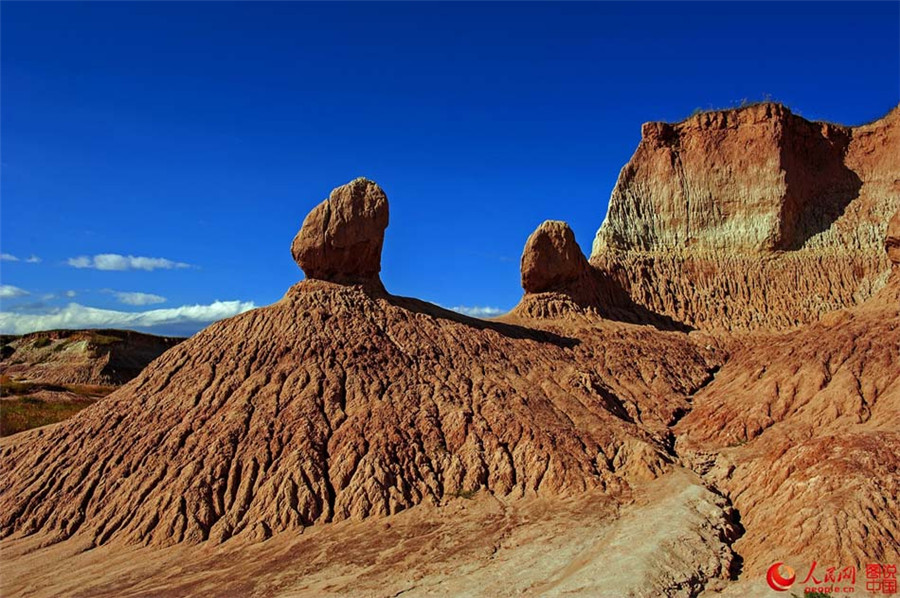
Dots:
{"x": 892, "y": 239}
{"x": 551, "y": 258}
{"x": 753, "y": 217}
{"x": 342, "y": 237}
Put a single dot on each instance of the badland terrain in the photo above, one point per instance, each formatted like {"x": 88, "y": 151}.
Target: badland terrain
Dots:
{"x": 714, "y": 389}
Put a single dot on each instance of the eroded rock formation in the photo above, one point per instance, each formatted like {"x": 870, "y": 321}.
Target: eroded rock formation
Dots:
{"x": 48, "y": 376}
{"x": 801, "y": 430}
{"x": 342, "y": 237}
{"x": 551, "y": 259}
{"x": 560, "y": 283}
{"x": 557, "y": 279}
{"x": 752, "y": 218}
{"x": 101, "y": 357}
{"x": 341, "y": 401}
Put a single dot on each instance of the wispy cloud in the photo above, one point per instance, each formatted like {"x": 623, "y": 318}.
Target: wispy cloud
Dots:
{"x": 478, "y": 312}
{"x": 7, "y": 291}
{"x": 8, "y": 257}
{"x": 80, "y": 316}
{"x": 52, "y": 296}
{"x": 135, "y": 298}
{"x": 114, "y": 261}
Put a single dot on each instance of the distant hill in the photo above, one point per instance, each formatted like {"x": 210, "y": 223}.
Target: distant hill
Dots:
{"x": 48, "y": 376}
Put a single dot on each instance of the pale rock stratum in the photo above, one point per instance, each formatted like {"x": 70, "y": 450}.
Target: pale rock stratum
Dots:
{"x": 892, "y": 240}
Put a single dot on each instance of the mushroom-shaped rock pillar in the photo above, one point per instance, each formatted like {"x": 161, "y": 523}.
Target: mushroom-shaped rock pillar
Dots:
{"x": 892, "y": 240}
{"x": 342, "y": 237}
{"x": 551, "y": 259}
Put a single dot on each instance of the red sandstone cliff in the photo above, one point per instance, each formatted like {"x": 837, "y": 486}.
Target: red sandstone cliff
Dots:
{"x": 753, "y": 217}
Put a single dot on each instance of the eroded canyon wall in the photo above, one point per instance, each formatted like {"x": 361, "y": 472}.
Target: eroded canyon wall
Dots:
{"x": 753, "y": 217}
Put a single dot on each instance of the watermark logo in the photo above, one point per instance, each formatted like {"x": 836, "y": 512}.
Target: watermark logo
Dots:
{"x": 880, "y": 579}
{"x": 779, "y": 582}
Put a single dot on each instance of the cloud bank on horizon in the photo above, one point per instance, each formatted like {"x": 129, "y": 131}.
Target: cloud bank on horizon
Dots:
{"x": 24, "y": 311}
{"x": 186, "y": 318}
{"x": 182, "y": 320}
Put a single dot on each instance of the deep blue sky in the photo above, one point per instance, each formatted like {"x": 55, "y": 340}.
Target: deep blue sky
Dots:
{"x": 204, "y": 132}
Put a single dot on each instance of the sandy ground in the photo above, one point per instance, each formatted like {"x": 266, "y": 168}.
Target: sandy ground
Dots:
{"x": 668, "y": 541}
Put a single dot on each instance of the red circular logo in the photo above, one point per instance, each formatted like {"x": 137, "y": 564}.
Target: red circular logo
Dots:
{"x": 775, "y": 579}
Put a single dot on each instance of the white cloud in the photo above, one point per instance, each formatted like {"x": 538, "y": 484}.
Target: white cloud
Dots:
{"x": 80, "y": 262}
{"x": 8, "y": 257}
{"x": 79, "y": 316}
{"x": 52, "y": 296}
{"x": 7, "y": 291}
{"x": 138, "y": 298}
{"x": 114, "y": 261}
{"x": 478, "y": 312}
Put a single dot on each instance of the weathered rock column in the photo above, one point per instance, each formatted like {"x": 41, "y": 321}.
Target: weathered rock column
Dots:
{"x": 551, "y": 260}
{"x": 341, "y": 238}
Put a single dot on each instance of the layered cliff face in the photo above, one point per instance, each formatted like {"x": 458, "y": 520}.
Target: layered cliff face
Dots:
{"x": 753, "y": 217}
{"x": 798, "y": 427}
